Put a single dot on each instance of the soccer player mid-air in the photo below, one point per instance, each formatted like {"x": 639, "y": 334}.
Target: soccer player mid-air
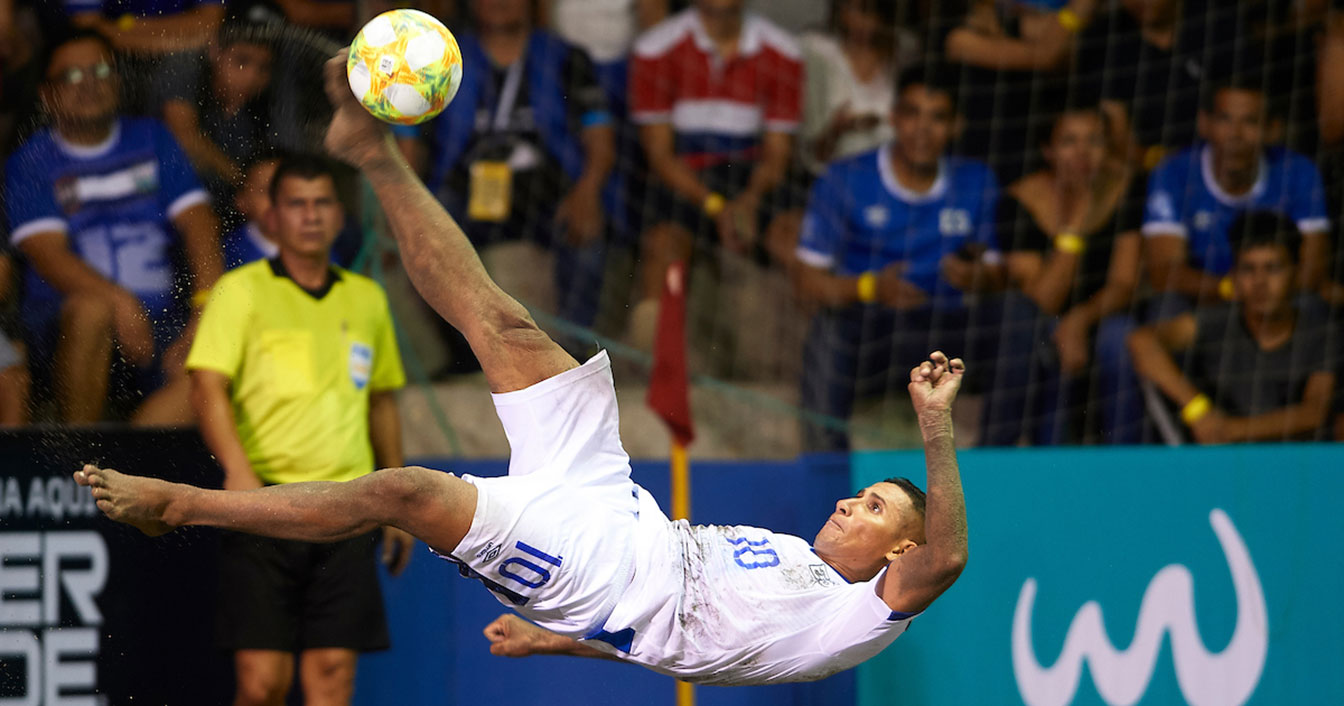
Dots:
{"x": 567, "y": 538}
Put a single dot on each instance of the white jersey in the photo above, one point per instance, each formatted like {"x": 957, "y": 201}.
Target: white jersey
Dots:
{"x": 570, "y": 542}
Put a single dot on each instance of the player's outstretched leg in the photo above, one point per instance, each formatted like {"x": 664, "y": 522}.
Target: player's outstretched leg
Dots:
{"x": 434, "y": 506}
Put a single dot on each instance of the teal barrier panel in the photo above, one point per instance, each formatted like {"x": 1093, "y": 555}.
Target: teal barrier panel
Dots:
{"x": 1134, "y": 575}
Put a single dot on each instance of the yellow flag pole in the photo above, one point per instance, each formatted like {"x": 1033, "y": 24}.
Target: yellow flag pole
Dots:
{"x": 681, "y": 509}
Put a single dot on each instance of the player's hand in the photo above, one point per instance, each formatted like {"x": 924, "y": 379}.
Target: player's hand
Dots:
{"x": 511, "y": 636}
{"x": 894, "y": 291}
{"x": 934, "y": 384}
{"x": 354, "y": 136}
{"x": 397, "y": 547}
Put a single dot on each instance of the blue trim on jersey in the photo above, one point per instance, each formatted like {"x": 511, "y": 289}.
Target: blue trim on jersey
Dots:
{"x": 468, "y": 572}
{"x": 621, "y": 639}
{"x": 898, "y": 615}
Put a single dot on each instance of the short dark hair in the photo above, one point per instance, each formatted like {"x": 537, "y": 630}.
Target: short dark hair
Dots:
{"x": 916, "y": 495}
{"x": 74, "y": 35}
{"x": 1264, "y": 229}
{"x": 1249, "y": 80}
{"x": 303, "y": 166}
{"x": 933, "y": 76}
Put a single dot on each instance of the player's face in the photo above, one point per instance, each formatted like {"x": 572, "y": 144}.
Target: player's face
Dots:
{"x": 1263, "y": 279}
{"x": 1077, "y": 147}
{"x": 306, "y": 215}
{"x": 81, "y": 84}
{"x": 1236, "y": 128}
{"x": 865, "y": 528}
{"x": 924, "y": 122}
{"x": 254, "y": 197}
{"x": 242, "y": 71}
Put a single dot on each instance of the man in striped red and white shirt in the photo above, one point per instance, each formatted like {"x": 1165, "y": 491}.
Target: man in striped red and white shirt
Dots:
{"x": 716, "y": 93}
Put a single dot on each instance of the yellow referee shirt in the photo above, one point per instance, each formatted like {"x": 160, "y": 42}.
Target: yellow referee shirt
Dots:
{"x": 301, "y": 367}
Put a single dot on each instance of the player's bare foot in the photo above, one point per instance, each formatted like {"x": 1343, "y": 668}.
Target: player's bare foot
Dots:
{"x": 511, "y": 636}
{"x": 134, "y": 500}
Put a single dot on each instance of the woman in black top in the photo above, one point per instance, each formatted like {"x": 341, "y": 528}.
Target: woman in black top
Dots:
{"x": 1071, "y": 234}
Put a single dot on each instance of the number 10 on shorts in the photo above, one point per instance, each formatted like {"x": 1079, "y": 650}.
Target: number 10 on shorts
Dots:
{"x": 527, "y": 572}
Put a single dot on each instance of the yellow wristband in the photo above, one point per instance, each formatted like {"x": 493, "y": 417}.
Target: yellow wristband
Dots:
{"x": 126, "y": 22}
{"x": 199, "y": 299}
{"x": 867, "y": 287}
{"x": 1069, "y": 20}
{"x": 714, "y": 204}
{"x": 1069, "y": 243}
{"x": 1226, "y": 290}
{"x": 1196, "y": 409}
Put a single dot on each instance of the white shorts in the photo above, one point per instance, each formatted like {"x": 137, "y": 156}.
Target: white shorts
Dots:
{"x": 554, "y": 538}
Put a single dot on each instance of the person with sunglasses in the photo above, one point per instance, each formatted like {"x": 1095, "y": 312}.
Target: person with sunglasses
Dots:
{"x": 99, "y": 206}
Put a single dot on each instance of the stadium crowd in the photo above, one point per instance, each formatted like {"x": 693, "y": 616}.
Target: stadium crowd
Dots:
{"x": 1128, "y": 212}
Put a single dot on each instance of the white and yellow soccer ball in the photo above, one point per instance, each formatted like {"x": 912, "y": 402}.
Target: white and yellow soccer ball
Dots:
{"x": 404, "y": 66}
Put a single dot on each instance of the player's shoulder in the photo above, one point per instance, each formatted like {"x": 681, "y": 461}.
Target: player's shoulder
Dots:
{"x": 862, "y": 167}
{"x": 39, "y": 148}
{"x": 138, "y": 128}
{"x": 662, "y": 37}
{"x": 1294, "y": 163}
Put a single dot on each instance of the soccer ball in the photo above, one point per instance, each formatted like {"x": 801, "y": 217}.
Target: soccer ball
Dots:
{"x": 404, "y": 66}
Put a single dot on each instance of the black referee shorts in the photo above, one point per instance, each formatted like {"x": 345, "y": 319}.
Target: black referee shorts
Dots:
{"x": 278, "y": 594}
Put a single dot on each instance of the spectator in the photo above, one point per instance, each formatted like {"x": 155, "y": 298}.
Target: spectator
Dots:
{"x": 716, "y": 92}
{"x": 217, "y": 109}
{"x": 152, "y": 38}
{"x": 1259, "y": 368}
{"x": 898, "y": 248}
{"x": 293, "y": 378}
{"x": 850, "y": 72}
{"x": 524, "y": 151}
{"x": 1003, "y": 49}
{"x": 255, "y": 238}
{"x": 98, "y": 204}
{"x": 1193, "y": 197}
{"x": 1071, "y": 234}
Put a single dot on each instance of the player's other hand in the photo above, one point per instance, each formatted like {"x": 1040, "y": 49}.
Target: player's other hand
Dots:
{"x": 354, "y": 136}
{"x": 934, "y": 384}
{"x": 396, "y": 553}
{"x": 511, "y": 636}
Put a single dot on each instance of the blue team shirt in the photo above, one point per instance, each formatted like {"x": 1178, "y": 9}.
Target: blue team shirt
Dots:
{"x": 138, "y": 8}
{"x": 1185, "y": 201}
{"x": 859, "y": 218}
{"x": 115, "y": 202}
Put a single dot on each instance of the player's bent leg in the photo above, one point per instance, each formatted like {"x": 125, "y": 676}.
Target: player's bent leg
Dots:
{"x": 327, "y": 675}
{"x": 263, "y": 676}
{"x": 434, "y": 506}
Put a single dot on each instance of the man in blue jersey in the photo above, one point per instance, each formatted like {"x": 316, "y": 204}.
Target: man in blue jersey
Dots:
{"x": 1193, "y": 198}
{"x": 898, "y": 248}
{"x": 99, "y": 205}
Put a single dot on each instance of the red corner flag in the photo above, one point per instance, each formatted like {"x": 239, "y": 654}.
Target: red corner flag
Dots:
{"x": 669, "y": 395}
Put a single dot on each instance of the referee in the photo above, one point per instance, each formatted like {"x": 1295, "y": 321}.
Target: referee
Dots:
{"x": 294, "y": 371}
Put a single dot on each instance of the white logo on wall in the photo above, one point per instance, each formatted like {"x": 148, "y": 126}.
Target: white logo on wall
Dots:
{"x": 1122, "y": 676}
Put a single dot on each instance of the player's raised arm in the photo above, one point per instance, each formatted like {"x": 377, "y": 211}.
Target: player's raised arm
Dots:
{"x": 440, "y": 260}
{"x": 922, "y": 573}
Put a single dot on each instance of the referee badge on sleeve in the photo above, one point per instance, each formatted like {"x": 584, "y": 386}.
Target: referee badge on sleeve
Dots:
{"x": 361, "y": 364}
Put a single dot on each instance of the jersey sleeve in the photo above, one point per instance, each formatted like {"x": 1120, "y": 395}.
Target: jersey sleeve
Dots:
{"x": 823, "y": 229}
{"x": 387, "y": 372}
{"x": 1161, "y": 211}
{"x": 1307, "y": 207}
{"x": 30, "y": 203}
{"x": 179, "y": 189}
{"x": 223, "y": 329}
{"x": 783, "y": 95}
{"x": 652, "y": 90}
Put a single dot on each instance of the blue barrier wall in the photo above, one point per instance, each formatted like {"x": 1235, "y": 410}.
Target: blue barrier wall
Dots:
{"x": 440, "y": 657}
{"x": 1151, "y": 535}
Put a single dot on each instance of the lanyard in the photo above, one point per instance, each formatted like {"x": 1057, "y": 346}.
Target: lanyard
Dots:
{"x": 508, "y": 96}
